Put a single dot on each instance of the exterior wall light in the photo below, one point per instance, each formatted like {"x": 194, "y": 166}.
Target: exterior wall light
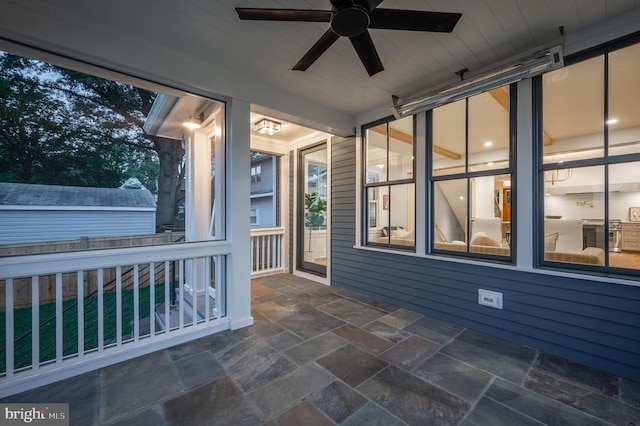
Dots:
{"x": 194, "y": 122}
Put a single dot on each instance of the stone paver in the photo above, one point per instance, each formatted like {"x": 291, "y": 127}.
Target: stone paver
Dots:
{"x": 318, "y": 355}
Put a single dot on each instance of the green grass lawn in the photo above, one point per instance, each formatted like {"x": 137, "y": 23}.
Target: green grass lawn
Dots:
{"x": 22, "y": 325}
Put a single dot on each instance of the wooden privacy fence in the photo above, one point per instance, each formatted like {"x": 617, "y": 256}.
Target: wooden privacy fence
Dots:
{"x": 47, "y": 283}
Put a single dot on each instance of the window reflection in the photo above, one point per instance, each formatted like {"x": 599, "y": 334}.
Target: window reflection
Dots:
{"x": 390, "y": 191}
{"x": 574, "y": 225}
{"x": 589, "y": 209}
{"x": 473, "y": 213}
{"x": 573, "y": 112}
{"x": 623, "y": 122}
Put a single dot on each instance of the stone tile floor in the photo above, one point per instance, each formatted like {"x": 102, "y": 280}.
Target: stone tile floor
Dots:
{"x": 318, "y": 355}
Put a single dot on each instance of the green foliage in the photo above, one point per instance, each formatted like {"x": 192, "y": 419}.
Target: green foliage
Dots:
{"x": 315, "y": 210}
{"x": 62, "y": 127}
{"x": 22, "y": 324}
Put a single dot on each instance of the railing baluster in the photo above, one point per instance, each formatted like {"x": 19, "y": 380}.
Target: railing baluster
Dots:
{"x": 269, "y": 252}
{"x": 167, "y": 297}
{"x": 59, "y": 335}
{"x": 152, "y": 299}
{"x": 181, "y": 292}
{"x": 80, "y": 282}
{"x": 100, "y": 309}
{"x": 35, "y": 323}
{"x": 118, "y": 305}
{"x": 220, "y": 291}
{"x": 9, "y": 326}
{"x": 136, "y": 302}
{"x": 207, "y": 287}
{"x": 194, "y": 290}
{"x": 251, "y": 254}
{"x": 264, "y": 253}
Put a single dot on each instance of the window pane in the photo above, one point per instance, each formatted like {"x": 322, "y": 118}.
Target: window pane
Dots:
{"x": 401, "y": 207}
{"x": 624, "y": 108}
{"x": 373, "y": 213}
{"x": 624, "y": 216}
{"x": 401, "y": 149}
{"x": 573, "y": 112}
{"x": 376, "y": 138}
{"x": 450, "y": 215}
{"x": 574, "y": 215}
{"x": 382, "y": 194}
{"x": 139, "y": 187}
{"x": 489, "y": 130}
{"x": 449, "y": 138}
{"x": 490, "y": 199}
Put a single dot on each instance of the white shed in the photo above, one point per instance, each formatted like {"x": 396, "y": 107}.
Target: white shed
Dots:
{"x": 30, "y": 213}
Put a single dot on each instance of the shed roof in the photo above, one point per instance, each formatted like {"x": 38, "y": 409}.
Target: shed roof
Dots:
{"x": 20, "y": 194}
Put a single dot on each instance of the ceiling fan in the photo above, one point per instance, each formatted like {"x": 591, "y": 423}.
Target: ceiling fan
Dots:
{"x": 352, "y": 18}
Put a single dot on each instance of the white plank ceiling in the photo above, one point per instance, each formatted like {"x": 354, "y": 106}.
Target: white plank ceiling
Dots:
{"x": 264, "y": 52}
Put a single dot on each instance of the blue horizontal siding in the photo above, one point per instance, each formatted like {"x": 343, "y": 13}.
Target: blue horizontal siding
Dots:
{"x": 592, "y": 322}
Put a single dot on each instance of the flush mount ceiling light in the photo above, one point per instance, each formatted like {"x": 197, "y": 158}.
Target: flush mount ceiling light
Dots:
{"x": 267, "y": 127}
{"x": 529, "y": 66}
{"x": 194, "y": 122}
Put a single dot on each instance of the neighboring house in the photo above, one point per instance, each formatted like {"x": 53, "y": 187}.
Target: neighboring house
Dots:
{"x": 263, "y": 190}
{"x": 31, "y": 213}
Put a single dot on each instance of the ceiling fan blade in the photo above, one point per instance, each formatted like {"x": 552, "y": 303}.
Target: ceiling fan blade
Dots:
{"x": 316, "y": 50}
{"x": 367, "y": 53}
{"x": 300, "y": 15}
{"x": 369, "y": 4}
{"x": 413, "y": 20}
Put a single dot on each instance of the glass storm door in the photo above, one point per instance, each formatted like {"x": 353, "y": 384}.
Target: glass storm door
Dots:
{"x": 312, "y": 210}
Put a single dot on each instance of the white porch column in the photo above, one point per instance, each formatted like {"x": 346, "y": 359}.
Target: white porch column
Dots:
{"x": 197, "y": 202}
{"x": 238, "y": 205}
{"x": 198, "y": 196}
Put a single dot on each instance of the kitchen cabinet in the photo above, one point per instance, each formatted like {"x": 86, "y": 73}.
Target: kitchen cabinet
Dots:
{"x": 631, "y": 236}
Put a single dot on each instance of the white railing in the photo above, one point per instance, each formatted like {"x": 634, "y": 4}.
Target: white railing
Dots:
{"x": 267, "y": 251}
{"x": 110, "y": 305}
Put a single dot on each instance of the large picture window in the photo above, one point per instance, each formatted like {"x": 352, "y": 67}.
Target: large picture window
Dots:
{"x": 471, "y": 174}
{"x": 88, "y": 162}
{"x": 389, "y": 184}
{"x": 589, "y": 162}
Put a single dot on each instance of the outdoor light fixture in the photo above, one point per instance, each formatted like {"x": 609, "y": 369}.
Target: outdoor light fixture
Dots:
{"x": 267, "y": 127}
{"x": 194, "y": 122}
{"x": 529, "y": 66}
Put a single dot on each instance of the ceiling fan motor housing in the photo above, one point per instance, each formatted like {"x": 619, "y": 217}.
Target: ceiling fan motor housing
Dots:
{"x": 350, "y": 20}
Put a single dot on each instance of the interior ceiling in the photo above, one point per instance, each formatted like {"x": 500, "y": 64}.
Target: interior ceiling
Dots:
{"x": 489, "y": 31}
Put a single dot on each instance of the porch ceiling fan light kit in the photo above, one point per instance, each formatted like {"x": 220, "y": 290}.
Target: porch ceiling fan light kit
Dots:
{"x": 353, "y": 19}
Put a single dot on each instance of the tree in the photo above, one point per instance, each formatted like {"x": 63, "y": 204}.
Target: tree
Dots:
{"x": 315, "y": 209}
{"x": 125, "y": 109}
{"x": 64, "y": 127}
